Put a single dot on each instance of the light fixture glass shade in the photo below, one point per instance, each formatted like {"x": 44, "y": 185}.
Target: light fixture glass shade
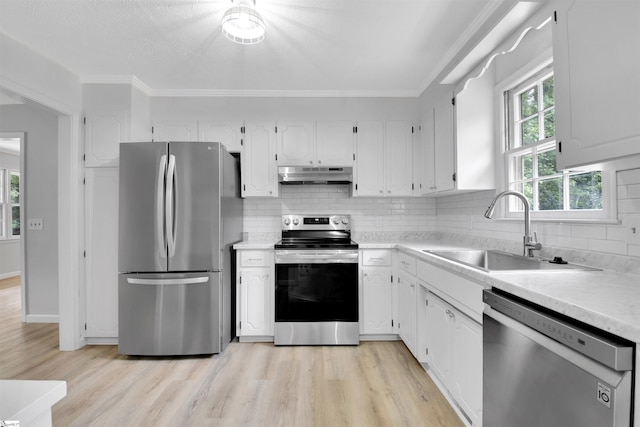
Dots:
{"x": 242, "y": 24}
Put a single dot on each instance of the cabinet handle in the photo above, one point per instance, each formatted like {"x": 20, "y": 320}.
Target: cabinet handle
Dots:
{"x": 412, "y": 285}
{"x": 451, "y": 315}
{"x": 376, "y": 258}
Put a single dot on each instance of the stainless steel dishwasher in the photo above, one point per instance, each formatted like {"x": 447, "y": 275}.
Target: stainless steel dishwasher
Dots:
{"x": 541, "y": 369}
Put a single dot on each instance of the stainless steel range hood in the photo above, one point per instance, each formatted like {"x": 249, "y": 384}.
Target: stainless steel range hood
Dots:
{"x": 296, "y": 175}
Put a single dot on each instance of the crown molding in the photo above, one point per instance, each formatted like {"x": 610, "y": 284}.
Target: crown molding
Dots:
{"x": 245, "y": 93}
{"x": 117, "y": 79}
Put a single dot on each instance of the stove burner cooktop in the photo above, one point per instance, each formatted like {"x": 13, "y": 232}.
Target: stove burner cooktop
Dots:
{"x": 316, "y": 232}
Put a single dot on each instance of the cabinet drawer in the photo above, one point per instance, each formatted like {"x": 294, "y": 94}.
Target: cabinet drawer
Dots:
{"x": 255, "y": 258}
{"x": 376, "y": 257}
{"x": 407, "y": 263}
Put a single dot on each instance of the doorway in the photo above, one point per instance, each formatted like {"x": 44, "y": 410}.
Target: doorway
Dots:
{"x": 12, "y": 211}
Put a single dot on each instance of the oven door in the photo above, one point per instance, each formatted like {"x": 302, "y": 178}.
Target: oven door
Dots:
{"x": 316, "y": 286}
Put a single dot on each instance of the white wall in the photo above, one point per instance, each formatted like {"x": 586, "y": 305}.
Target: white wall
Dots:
{"x": 373, "y": 219}
{"x": 609, "y": 246}
{"x": 41, "y": 179}
{"x": 9, "y": 249}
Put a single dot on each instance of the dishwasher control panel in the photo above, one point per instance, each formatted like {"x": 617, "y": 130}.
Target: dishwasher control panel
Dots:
{"x": 617, "y": 355}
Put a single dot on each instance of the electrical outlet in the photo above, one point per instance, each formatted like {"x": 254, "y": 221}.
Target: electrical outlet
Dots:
{"x": 35, "y": 224}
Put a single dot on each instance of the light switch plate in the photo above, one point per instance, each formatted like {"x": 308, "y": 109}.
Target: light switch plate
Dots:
{"x": 35, "y": 224}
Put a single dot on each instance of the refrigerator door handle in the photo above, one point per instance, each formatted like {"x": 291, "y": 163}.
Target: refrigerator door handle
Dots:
{"x": 169, "y": 206}
{"x": 185, "y": 281}
{"x": 160, "y": 230}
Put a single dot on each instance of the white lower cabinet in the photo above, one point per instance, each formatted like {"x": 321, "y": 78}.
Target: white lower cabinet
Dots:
{"x": 255, "y": 296}
{"x": 376, "y": 310}
{"x": 376, "y": 314}
{"x": 407, "y": 311}
{"x": 454, "y": 355}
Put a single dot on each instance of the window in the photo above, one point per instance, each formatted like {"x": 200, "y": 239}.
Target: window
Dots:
{"x": 530, "y": 157}
{"x": 9, "y": 204}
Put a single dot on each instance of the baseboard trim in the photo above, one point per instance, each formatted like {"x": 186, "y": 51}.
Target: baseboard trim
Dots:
{"x": 42, "y": 318}
{"x": 10, "y": 274}
{"x": 101, "y": 340}
{"x": 379, "y": 337}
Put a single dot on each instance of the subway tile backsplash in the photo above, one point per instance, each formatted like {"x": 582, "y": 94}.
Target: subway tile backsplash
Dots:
{"x": 459, "y": 218}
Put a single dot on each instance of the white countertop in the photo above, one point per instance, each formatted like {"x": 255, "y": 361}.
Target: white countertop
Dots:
{"x": 604, "y": 299}
{"x": 26, "y": 400}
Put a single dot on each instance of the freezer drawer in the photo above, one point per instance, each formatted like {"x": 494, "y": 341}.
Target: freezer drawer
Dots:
{"x": 170, "y": 314}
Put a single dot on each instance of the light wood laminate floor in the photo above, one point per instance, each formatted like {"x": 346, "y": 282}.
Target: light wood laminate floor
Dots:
{"x": 373, "y": 384}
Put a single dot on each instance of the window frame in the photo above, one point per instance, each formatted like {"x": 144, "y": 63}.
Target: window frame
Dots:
{"x": 540, "y": 69}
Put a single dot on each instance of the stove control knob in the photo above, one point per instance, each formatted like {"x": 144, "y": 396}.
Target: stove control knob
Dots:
{"x": 296, "y": 221}
{"x": 345, "y": 220}
{"x": 336, "y": 220}
{"x": 287, "y": 221}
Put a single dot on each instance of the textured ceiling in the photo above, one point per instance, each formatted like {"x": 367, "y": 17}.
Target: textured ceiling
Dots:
{"x": 369, "y": 47}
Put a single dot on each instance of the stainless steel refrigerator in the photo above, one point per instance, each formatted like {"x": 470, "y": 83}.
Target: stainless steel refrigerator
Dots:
{"x": 180, "y": 213}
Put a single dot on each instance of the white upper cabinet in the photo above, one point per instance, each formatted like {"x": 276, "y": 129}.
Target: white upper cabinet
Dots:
{"x": 227, "y": 133}
{"x": 335, "y": 143}
{"x": 259, "y": 169}
{"x": 327, "y": 143}
{"x": 175, "y": 131}
{"x": 369, "y": 166}
{"x": 103, "y": 132}
{"x": 399, "y": 157}
{"x": 459, "y": 144}
{"x": 444, "y": 160}
{"x": 596, "y": 47}
{"x": 113, "y": 113}
{"x": 384, "y": 159}
{"x": 296, "y": 144}
{"x": 424, "y": 163}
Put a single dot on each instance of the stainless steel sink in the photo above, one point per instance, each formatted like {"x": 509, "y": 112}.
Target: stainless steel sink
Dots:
{"x": 490, "y": 260}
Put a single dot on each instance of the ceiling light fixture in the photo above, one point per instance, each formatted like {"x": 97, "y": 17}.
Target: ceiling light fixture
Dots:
{"x": 242, "y": 24}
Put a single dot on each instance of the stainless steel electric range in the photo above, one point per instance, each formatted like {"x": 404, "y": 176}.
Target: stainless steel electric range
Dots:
{"x": 316, "y": 263}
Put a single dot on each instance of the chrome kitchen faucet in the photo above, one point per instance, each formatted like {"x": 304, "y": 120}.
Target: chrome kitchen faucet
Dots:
{"x": 530, "y": 243}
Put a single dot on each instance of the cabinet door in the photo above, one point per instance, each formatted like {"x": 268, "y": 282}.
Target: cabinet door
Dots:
{"x": 228, "y": 133}
{"x": 296, "y": 144}
{"x": 426, "y": 169}
{"x": 256, "y": 302}
{"x": 376, "y": 297}
{"x": 369, "y": 165}
{"x": 335, "y": 143}
{"x": 467, "y": 372}
{"x": 439, "y": 323}
{"x": 183, "y": 131}
{"x": 259, "y": 170}
{"x": 444, "y": 145}
{"x": 101, "y": 243}
{"x": 103, "y": 132}
{"x": 597, "y": 81}
{"x": 399, "y": 158}
{"x": 407, "y": 311}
